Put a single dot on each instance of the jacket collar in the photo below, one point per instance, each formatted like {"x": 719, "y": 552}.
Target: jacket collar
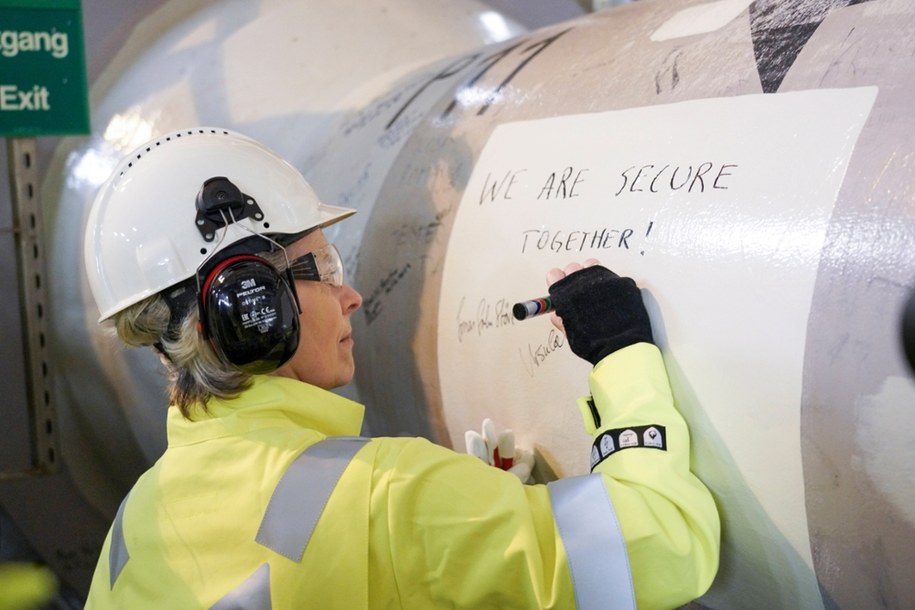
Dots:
{"x": 270, "y": 402}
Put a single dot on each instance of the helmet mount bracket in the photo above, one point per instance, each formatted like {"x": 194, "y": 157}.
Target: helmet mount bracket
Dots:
{"x": 219, "y": 203}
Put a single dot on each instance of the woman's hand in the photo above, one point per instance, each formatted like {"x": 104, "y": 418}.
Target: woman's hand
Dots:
{"x": 555, "y": 274}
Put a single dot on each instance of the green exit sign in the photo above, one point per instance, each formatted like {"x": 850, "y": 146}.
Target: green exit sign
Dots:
{"x": 42, "y": 69}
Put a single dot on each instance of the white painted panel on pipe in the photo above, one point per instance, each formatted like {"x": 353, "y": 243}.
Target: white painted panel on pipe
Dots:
{"x": 700, "y": 19}
{"x": 718, "y": 208}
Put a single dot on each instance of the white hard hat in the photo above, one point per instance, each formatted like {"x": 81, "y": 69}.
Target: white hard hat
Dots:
{"x": 147, "y": 229}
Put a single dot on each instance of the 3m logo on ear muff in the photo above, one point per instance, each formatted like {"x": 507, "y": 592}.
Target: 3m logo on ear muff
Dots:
{"x": 250, "y": 313}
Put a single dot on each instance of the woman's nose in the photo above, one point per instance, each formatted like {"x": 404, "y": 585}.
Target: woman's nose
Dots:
{"x": 350, "y": 299}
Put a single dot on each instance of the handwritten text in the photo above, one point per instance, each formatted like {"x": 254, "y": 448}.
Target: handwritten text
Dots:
{"x": 484, "y": 317}
{"x": 536, "y": 354}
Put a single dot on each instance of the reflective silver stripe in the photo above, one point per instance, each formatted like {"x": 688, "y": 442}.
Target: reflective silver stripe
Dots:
{"x": 117, "y": 552}
{"x": 594, "y": 543}
{"x": 302, "y": 493}
{"x": 253, "y": 594}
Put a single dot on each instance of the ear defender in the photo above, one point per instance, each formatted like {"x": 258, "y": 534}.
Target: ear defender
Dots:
{"x": 250, "y": 314}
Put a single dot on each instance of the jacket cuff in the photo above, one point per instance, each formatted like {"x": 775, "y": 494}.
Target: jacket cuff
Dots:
{"x": 628, "y": 387}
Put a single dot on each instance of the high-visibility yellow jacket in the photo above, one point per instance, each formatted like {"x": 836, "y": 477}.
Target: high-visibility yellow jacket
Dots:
{"x": 250, "y": 507}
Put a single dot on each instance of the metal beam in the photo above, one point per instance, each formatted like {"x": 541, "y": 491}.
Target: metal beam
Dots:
{"x": 27, "y": 221}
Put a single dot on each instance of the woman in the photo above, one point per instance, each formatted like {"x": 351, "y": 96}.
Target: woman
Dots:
{"x": 207, "y": 246}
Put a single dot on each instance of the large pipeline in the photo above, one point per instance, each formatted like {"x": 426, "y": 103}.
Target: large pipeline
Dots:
{"x": 751, "y": 164}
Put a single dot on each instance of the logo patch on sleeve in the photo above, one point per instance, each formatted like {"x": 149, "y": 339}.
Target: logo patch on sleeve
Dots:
{"x": 613, "y": 441}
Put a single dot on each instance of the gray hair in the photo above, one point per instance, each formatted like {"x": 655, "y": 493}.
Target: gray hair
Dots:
{"x": 195, "y": 371}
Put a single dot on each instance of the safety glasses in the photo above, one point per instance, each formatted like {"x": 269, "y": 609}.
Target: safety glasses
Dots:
{"x": 321, "y": 265}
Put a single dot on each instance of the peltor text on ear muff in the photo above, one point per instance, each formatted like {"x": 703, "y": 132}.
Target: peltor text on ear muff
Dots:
{"x": 250, "y": 313}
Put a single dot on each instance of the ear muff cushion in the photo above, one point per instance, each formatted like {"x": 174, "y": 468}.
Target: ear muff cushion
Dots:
{"x": 251, "y": 314}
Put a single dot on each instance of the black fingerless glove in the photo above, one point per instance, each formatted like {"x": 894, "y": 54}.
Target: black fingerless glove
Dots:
{"x": 601, "y": 312}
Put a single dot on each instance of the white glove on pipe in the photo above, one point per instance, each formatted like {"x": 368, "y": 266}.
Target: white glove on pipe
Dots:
{"x": 499, "y": 450}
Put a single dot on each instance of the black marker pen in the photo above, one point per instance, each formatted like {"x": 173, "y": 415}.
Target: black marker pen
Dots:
{"x": 534, "y": 307}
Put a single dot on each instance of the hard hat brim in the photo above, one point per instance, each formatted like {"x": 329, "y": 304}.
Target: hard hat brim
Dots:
{"x": 331, "y": 214}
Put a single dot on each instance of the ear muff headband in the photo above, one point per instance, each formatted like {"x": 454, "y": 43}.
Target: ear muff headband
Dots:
{"x": 250, "y": 314}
